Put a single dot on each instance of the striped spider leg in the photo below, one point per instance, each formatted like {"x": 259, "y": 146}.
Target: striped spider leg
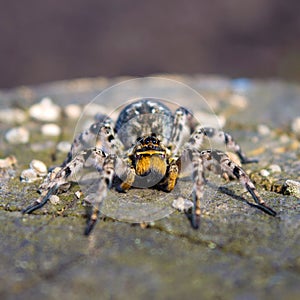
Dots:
{"x": 102, "y": 158}
{"x": 219, "y": 163}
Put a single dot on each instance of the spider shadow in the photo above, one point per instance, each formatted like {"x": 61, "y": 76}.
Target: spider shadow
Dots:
{"x": 225, "y": 190}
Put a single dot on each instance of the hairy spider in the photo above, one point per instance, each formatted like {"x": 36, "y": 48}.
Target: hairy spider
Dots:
{"x": 147, "y": 148}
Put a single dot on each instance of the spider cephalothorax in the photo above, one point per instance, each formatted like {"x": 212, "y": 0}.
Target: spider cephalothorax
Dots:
{"x": 147, "y": 148}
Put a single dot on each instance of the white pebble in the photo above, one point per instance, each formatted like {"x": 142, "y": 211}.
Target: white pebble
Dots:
{"x": 264, "y": 173}
{"x": 73, "y": 111}
{"x": 263, "y": 129}
{"x": 54, "y": 199}
{"x": 28, "y": 175}
{"x": 17, "y": 135}
{"x": 238, "y": 101}
{"x": 64, "y": 146}
{"x": 296, "y": 126}
{"x": 51, "y": 129}
{"x": 7, "y": 162}
{"x": 293, "y": 187}
{"x": 284, "y": 139}
{"x": 39, "y": 167}
{"x": 275, "y": 168}
{"x": 12, "y": 115}
{"x": 78, "y": 194}
{"x": 182, "y": 204}
{"x": 45, "y": 111}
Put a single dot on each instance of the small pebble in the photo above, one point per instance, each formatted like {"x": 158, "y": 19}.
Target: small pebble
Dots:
{"x": 39, "y": 167}
{"x": 274, "y": 168}
{"x": 264, "y": 173}
{"x": 8, "y": 162}
{"x": 51, "y": 129}
{"x": 238, "y": 101}
{"x": 263, "y": 130}
{"x": 29, "y": 175}
{"x": 296, "y": 126}
{"x": 293, "y": 187}
{"x": 64, "y": 146}
{"x": 54, "y": 199}
{"x": 45, "y": 111}
{"x": 182, "y": 204}
{"x": 78, "y": 194}
{"x": 17, "y": 135}
{"x": 284, "y": 139}
{"x": 73, "y": 111}
{"x": 12, "y": 115}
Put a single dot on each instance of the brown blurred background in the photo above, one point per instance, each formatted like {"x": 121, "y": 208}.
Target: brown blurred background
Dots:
{"x": 52, "y": 40}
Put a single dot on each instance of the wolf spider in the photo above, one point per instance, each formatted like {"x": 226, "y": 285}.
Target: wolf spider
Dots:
{"x": 146, "y": 148}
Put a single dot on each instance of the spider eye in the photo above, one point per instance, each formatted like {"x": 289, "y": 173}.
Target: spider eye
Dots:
{"x": 154, "y": 140}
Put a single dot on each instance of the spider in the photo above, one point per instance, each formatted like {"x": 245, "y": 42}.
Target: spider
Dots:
{"x": 147, "y": 147}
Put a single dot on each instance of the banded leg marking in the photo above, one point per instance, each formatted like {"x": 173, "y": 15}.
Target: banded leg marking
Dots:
{"x": 219, "y": 136}
{"x": 56, "y": 179}
{"x": 106, "y": 178}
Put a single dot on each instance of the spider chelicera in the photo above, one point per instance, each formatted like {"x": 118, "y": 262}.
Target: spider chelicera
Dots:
{"x": 147, "y": 147}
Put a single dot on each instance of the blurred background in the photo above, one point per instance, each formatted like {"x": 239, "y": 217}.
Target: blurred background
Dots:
{"x": 51, "y": 40}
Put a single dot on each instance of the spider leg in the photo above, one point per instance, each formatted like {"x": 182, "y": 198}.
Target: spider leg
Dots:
{"x": 198, "y": 188}
{"x": 169, "y": 182}
{"x": 219, "y": 162}
{"x": 100, "y": 135}
{"x": 128, "y": 181}
{"x": 96, "y": 199}
{"x": 181, "y": 130}
{"x": 87, "y": 158}
{"x": 220, "y": 136}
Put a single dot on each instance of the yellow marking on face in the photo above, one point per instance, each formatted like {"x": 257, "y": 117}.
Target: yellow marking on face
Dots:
{"x": 150, "y": 152}
{"x": 148, "y": 163}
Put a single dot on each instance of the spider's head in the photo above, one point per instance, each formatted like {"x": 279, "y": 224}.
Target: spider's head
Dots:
{"x": 149, "y": 158}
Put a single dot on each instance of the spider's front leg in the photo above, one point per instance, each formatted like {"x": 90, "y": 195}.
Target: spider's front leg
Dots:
{"x": 169, "y": 182}
{"x": 220, "y": 136}
{"x": 107, "y": 172}
{"x": 183, "y": 125}
{"x": 219, "y": 162}
{"x": 198, "y": 188}
{"x": 100, "y": 135}
{"x": 55, "y": 180}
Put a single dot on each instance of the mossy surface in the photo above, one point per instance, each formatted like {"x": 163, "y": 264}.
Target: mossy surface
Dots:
{"x": 238, "y": 253}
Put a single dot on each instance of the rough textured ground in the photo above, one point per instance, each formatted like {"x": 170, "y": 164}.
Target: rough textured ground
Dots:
{"x": 238, "y": 253}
